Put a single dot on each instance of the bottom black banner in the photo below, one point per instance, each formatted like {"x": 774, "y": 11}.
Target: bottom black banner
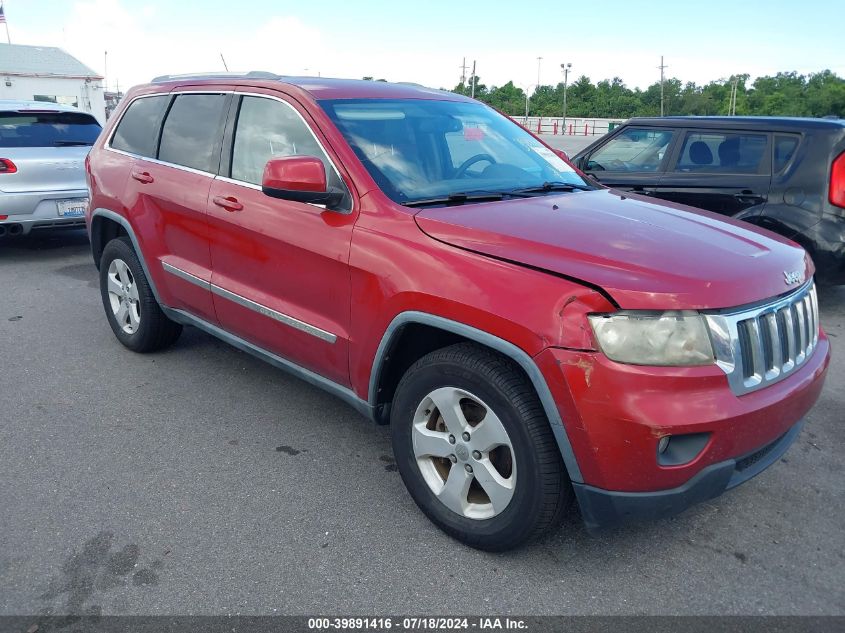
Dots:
{"x": 403, "y": 624}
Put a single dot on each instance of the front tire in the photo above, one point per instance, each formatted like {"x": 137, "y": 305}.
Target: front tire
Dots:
{"x": 131, "y": 307}
{"x": 475, "y": 449}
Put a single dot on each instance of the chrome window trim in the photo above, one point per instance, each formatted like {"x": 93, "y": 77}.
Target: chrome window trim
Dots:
{"x": 240, "y": 183}
{"x": 725, "y": 337}
{"x": 249, "y": 185}
{"x": 286, "y": 319}
{"x": 156, "y": 161}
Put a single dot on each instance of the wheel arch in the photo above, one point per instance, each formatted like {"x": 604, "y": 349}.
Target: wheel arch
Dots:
{"x": 107, "y": 225}
{"x": 394, "y": 355}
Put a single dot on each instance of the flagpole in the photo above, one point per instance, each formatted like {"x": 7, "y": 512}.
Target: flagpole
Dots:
{"x": 6, "y": 24}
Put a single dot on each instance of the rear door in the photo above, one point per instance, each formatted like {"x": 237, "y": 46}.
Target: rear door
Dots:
{"x": 167, "y": 194}
{"x": 726, "y": 171}
{"x": 633, "y": 160}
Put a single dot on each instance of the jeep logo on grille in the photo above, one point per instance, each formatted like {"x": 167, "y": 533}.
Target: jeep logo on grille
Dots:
{"x": 791, "y": 276}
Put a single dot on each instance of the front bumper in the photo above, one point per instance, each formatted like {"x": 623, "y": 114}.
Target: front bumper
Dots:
{"x": 605, "y": 508}
{"x": 615, "y": 416}
{"x": 38, "y": 210}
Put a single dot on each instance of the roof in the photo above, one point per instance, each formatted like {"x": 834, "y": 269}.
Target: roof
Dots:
{"x": 12, "y": 105}
{"x": 319, "y": 87}
{"x": 18, "y": 59}
{"x": 747, "y": 122}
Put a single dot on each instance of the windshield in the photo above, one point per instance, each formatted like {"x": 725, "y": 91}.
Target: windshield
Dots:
{"x": 420, "y": 150}
{"x": 47, "y": 129}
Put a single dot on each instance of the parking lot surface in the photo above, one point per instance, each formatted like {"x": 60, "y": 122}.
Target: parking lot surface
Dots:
{"x": 571, "y": 144}
{"x": 202, "y": 481}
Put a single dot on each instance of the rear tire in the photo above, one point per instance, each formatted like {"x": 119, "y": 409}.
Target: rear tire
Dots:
{"x": 131, "y": 307}
{"x": 489, "y": 473}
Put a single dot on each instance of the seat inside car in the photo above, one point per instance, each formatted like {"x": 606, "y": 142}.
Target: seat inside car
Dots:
{"x": 729, "y": 152}
{"x": 700, "y": 154}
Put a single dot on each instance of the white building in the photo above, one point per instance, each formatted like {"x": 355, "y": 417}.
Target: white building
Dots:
{"x": 47, "y": 73}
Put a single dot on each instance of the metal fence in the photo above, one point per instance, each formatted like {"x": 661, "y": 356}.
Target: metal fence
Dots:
{"x": 574, "y": 126}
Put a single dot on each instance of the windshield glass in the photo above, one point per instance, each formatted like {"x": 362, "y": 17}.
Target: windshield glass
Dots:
{"x": 47, "y": 129}
{"x": 417, "y": 149}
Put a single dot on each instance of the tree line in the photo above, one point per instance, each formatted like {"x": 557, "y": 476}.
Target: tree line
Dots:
{"x": 784, "y": 94}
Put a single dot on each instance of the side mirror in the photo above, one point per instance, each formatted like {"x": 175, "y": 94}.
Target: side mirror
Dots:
{"x": 563, "y": 155}
{"x": 301, "y": 179}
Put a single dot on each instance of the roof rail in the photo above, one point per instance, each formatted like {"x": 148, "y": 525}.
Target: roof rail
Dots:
{"x": 252, "y": 74}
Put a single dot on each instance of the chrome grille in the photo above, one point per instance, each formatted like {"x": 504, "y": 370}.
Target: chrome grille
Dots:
{"x": 758, "y": 346}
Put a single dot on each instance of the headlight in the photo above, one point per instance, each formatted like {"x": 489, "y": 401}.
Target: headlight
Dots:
{"x": 649, "y": 338}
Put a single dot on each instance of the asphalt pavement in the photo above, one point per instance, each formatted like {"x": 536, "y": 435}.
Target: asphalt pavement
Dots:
{"x": 201, "y": 481}
{"x": 571, "y": 144}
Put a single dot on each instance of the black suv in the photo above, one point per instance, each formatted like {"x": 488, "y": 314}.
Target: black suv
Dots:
{"x": 784, "y": 174}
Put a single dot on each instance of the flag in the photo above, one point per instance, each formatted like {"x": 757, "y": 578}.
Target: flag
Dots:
{"x": 2, "y": 15}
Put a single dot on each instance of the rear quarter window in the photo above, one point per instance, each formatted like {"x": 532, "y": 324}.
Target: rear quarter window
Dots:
{"x": 784, "y": 150}
{"x": 137, "y": 131}
{"x": 47, "y": 129}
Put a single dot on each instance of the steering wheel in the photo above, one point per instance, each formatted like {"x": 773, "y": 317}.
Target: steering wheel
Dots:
{"x": 461, "y": 171}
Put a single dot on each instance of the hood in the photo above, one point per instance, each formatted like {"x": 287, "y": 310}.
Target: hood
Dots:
{"x": 646, "y": 255}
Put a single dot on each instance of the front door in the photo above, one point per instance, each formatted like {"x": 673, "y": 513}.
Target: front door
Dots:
{"x": 280, "y": 275}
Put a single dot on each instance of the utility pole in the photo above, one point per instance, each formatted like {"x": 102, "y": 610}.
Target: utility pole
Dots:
{"x": 463, "y": 68}
{"x": 106, "y": 69}
{"x": 565, "y": 67}
{"x": 662, "y": 67}
{"x": 474, "y": 80}
{"x": 732, "y": 102}
{"x": 539, "y": 59}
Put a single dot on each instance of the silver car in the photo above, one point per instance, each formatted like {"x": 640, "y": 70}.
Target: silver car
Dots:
{"x": 42, "y": 165}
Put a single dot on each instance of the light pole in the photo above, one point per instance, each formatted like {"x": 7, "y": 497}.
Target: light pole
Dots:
{"x": 565, "y": 68}
{"x": 527, "y": 90}
{"x": 539, "y": 59}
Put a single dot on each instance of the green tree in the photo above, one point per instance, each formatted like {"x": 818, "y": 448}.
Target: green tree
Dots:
{"x": 784, "y": 94}
{"x": 508, "y": 98}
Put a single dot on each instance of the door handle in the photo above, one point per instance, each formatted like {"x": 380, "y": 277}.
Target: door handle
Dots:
{"x": 229, "y": 203}
{"x": 643, "y": 191}
{"x": 142, "y": 176}
{"x": 748, "y": 197}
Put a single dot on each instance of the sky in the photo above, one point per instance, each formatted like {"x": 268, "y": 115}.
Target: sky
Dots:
{"x": 425, "y": 42}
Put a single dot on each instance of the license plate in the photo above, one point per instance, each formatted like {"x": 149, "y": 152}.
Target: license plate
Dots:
{"x": 72, "y": 208}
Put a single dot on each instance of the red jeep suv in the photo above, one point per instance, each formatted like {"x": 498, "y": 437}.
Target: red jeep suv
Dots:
{"x": 529, "y": 336}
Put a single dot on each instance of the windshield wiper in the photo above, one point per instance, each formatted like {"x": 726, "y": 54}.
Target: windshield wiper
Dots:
{"x": 555, "y": 186}
{"x": 462, "y": 197}
{"x": 70, "y": 143}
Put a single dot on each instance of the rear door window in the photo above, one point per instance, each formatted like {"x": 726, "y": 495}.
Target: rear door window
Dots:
{"x": 632, "y": 150}
{"x": 722, "y": 152}
{"x": 137, "y": 131}
{"x": 47, "y": 129}
{"x": 192, "y": 131}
